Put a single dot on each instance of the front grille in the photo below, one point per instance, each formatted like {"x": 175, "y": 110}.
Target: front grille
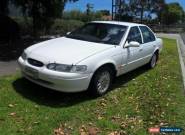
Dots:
{"x": 35, "y": 62}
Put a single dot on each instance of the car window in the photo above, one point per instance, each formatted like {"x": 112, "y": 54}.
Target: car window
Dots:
{"x": 134, "y": 35}
{"x": 100, "y": 33}
{"x": 148, "y": 36}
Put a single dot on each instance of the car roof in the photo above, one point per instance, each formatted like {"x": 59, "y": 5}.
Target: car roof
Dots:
{"x": 120, "y": 23}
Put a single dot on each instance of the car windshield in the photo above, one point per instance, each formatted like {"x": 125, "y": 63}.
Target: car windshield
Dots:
{"x": 99, "y": 33}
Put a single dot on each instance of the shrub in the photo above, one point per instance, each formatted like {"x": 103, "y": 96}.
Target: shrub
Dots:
{"x": 25, "y": 25}
{"x": 61, "y": 27}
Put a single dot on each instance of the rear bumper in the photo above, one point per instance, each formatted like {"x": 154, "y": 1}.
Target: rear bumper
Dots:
{"x": 60, "y": 81}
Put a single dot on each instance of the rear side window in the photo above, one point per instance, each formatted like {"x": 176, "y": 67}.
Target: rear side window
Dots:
{"x": 134, "y": 35}
{"x": 148, "y": 36}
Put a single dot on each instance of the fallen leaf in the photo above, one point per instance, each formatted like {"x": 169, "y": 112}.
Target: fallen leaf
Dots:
{"x": 11, "y": 105}
{"x": 116, "y": 118}
{"x": 103, "y": 104}
{"x": 83, "y": 130}
{"x": 59, "y": 131}
{"x": 132, "y": 127}
{"x": 124, "y": 125}
{"x": 83, "y": 133}
{"x": 36, "y": 106}
{"x": 70, "y": 128}
{"x": 90, "y": 123}
{"x": 93, "y": 131}
{"x": 114, "y": 133}
{"x": 100, "y": 117}
{"x": 21, "y": 130}
{"x": 12, "y": 114}
{"x": 62, "y": 130}
{"x": 29, "y": 128}
{"x": 36, "y": 122}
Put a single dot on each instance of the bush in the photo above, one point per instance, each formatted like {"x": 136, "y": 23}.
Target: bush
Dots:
{"x": 25, "y": 25}
{"x": 61, "y": 27}
{"x": 82, "y": 16}
{"x": 10, "y": 30}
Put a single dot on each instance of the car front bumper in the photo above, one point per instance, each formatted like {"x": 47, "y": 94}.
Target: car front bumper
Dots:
{"x": 60, "y": 81}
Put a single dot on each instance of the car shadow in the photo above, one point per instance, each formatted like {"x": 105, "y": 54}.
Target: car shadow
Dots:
{"x": 47, "y": 97}
{"x": 122, "y": 80}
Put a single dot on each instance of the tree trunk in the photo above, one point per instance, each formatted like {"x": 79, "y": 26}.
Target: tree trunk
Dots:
{"x": 142, "y": 12}
{"x": 4, "y": 6}
{"x": 35, "y": 17}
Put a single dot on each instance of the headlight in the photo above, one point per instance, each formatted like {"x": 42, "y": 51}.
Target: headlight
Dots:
{"x": 67, "y": 68}
{"x": 79, "y": 68}
{"x": 24, "y": 56}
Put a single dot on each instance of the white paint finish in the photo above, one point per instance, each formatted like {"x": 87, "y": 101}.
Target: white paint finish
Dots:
{"x": 66, "y": 50}
{"x": 71, "y": 51}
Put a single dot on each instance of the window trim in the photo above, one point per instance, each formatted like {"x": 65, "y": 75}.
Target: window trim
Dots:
{"x": 139, "y": 32}
{"x": 141, "y": 35}
{"x": 150, "y": 31}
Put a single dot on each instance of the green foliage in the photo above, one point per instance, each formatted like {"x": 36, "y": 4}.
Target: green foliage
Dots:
{"x": 82, "y": 16}
{"x": 42, "y": 13}
{"x": 166, "y": 13}
{"x": 25, "y": 25}
{"x": 73, "y": 14}
{"x": 4, "y": 6}
{"x": 173, "y": 13}
{"x": 131, "y": 9}
{"x": 105, "y": 12}
{"x": 61, "y": 27}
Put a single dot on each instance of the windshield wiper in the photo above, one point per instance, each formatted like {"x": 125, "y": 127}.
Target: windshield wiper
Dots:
{"x": 84, "y": 37}
{"x": 75, "y": 36}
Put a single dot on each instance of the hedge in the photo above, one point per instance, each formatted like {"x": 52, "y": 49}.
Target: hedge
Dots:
{"x": 59, "y": 27}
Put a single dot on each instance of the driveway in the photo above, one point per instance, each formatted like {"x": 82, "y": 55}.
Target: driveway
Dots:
{"x": 8, "y": 68}
{"x": 183, "y": 37}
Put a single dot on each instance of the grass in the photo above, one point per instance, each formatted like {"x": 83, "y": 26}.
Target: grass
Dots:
{"x": 138, "y": 100}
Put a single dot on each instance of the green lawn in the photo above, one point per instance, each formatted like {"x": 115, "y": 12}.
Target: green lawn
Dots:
{"x": 138, "y": 100}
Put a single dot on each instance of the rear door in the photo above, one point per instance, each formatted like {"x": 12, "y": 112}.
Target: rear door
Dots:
{"x": 149, "y": 44}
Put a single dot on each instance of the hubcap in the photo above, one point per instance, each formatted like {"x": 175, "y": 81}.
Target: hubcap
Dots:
{"x": 103, "y": 82}
{"x": 153, "y": 61}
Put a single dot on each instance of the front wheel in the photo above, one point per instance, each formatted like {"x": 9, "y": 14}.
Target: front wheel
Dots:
{"x": 101, "y": 81}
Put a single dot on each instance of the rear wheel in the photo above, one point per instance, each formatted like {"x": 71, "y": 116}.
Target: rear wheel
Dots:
{"x": 153, "y": 61}
{"x": 101, "y": 81}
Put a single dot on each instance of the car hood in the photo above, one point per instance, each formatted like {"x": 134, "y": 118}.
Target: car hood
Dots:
{"x": 65, "y": 50}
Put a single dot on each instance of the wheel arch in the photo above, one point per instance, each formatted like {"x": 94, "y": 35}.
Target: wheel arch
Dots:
{"x": 111, "y": 65}
{"x": 157, "y": 53}
{"x": 108, "y": 64}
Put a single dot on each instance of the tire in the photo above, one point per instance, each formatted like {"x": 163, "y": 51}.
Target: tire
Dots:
{"x": 101, "y": 81}
{"x": 153, "y": 61}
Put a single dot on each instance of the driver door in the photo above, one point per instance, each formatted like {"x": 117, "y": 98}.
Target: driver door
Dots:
{"x": 134, "y": 54}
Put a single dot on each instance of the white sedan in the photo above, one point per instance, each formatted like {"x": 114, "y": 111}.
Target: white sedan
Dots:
{"x": 91, "y": 56}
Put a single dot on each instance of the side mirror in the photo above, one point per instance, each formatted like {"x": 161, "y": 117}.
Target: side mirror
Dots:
{"x": 132, "y": 44}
